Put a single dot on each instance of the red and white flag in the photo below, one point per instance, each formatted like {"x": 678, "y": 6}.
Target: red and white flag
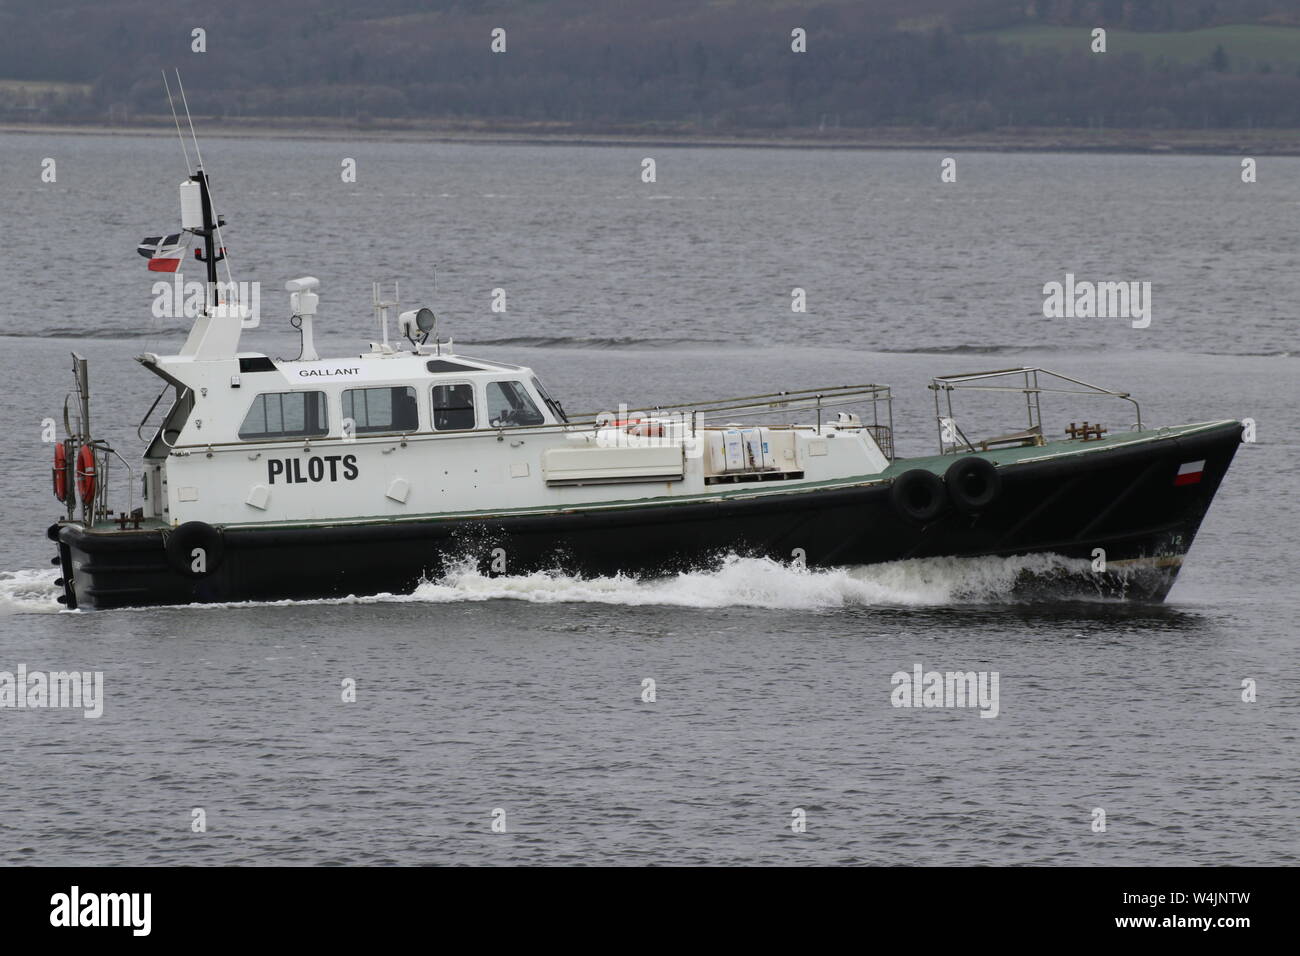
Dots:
{"x": 165, "y": 253}
{"x": 1189, "y": 473}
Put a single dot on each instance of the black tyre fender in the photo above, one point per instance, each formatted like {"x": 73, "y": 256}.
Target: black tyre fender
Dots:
{"x": 973, "y": 484}
{"x": 195, "y": 549}
{"x": 918, "y": 495}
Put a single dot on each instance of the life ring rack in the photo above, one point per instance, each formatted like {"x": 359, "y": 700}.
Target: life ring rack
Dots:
{"x": 86, "y": 473}
{"x": 60, "y": 472}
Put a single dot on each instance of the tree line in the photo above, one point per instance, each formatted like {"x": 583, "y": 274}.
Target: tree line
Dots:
{"x": 628, "y": 64}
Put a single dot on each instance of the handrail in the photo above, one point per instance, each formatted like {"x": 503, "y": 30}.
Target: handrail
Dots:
{"x": 130, "y": 482}
{"x": 783, "y": 395}
{"x": 150, "y": 412}
{"x": 1031, "y": 389}
{"x": 700, "y": 413}
{"x": 162, "y": 434}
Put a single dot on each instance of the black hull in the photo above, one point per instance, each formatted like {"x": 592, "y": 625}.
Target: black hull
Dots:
{"x": 1123, "y": 500}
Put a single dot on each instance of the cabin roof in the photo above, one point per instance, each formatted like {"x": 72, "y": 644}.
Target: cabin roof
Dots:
{"x": 402, "y": 367}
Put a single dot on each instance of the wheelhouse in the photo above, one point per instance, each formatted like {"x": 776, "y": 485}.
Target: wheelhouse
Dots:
{"x": 404, "y": 394}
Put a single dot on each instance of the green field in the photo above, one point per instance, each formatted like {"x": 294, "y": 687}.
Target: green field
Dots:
{"x": 1248, "y": 46}
{"x": 42, "y": 88}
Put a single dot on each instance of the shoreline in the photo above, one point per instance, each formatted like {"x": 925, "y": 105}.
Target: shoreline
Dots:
{"x": 1254, "y": 142}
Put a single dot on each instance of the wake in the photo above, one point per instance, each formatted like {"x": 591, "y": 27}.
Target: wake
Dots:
{"x": 735, "y": 582}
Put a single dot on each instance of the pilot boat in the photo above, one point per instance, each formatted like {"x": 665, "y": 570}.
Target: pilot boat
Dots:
{"x": 270, "y": 479}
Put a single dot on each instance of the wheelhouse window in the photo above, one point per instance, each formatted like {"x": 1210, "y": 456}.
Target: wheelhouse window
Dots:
{"x": 508, "y": 403}
{"x": 286, "y": 415}
{"x": 556, "y": 408}
{"x": 377, "y": 410}
{"x": 453, "y": 407}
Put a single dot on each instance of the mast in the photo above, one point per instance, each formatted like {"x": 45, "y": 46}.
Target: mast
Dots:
{"x": 211, "y": 254}
{"x": 215, "y": 334}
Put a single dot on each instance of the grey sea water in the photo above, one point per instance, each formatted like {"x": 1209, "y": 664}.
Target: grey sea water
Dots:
{"x": 772, "y": 684}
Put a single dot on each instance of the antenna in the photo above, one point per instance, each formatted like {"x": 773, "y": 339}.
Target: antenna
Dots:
{"x": 211, "y": 201}
{"x": 382, "y": 306}
{"x": 177, "y": 120}
{"x": 189, "y": 119}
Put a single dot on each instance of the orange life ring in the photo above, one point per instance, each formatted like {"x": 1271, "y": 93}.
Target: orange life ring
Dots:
{"x": 86, "y": 474}
{"x": 60, "y": 472}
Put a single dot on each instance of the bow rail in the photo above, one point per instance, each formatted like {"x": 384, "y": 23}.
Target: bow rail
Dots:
{"x": 953, "y": 440}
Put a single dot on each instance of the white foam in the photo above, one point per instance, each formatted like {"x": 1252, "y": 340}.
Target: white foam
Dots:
{"x": 25, "y": 592}
{"x": 737, "y": 582}
{"x": 763, "y": 583}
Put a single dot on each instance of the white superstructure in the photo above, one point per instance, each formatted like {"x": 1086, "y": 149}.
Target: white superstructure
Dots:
{"x": 404, "y": 433}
